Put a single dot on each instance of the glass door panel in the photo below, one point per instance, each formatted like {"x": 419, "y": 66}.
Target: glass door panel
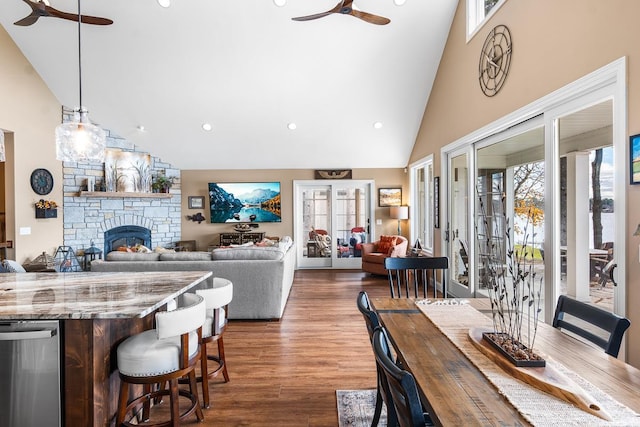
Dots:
{"x": 316, "y": 226}
{"x": 587, "y": 212}
{"x": 351, "y": 223}
{"x": 457, "y": 231}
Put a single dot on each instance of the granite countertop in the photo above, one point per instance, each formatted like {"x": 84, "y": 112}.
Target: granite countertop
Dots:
{"x": 87, "y": 295}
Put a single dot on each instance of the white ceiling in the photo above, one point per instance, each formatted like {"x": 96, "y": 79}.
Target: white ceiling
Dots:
{"x": 247, "y": 69}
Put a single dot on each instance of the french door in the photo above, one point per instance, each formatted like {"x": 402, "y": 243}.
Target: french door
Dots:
{"x": 331, "y": 221}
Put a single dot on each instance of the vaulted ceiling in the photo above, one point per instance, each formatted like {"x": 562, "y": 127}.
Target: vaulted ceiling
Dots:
{"x": 248, "y": 70}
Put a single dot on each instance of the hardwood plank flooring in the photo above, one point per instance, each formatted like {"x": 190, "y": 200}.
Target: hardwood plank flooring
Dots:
{"x": 285, "y": 373}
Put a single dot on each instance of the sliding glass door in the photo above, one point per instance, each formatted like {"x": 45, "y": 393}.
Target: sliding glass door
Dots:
{"x": 332, "y": 219}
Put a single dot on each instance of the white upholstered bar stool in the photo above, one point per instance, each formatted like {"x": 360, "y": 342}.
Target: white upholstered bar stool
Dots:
{"x": 164, "y": 354}
{"x": 217, "y": 300}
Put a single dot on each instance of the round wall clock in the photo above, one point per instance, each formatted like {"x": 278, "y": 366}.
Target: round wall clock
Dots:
{"x": 41, "y": 181}
{"x": 495, "y": 59}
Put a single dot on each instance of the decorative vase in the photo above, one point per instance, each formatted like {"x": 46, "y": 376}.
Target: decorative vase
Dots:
{"x": 498, "y": 340}
{"x": 46, "y": 213}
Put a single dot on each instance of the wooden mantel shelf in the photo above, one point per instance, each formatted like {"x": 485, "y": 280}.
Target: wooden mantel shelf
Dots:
{"x": 120, "y": 194}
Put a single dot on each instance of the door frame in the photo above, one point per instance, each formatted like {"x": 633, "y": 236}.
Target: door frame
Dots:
{"x": 300, "y": 235}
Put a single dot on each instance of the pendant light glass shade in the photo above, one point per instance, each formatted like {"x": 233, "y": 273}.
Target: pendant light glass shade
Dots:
{"x": 80, "y": 140}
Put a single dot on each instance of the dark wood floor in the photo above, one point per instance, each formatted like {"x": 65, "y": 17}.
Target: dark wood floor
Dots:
{"x": 286, "y": 373}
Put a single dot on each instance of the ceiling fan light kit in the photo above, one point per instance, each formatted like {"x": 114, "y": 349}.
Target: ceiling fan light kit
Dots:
{"x": 79, "y": 139}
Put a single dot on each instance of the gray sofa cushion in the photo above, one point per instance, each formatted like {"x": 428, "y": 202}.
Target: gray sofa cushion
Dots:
{"x": 132, "y": 256}
{"x": 185, "y": 256}
{"x": 248, "y": 252}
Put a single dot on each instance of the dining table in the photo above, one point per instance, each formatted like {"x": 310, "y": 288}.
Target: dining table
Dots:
{"x": 96, "y": 312}
{"x": 461, "y": 387}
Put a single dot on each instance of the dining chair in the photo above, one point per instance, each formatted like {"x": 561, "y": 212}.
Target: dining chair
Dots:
{"x": 164, "y": 354}
{"x": 608, "y": 322}
{"x": 402, "y": 385}
{"x": 382, "y": 393}
{"x": 412, "y": 273}
{"x": 217, "y": 299}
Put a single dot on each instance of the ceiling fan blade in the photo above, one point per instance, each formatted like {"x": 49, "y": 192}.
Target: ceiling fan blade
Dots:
{"x": 310, "y": 17}
{"x": 86, "y": 19}
{"x": 38, "y": 9}
{"x": 336, "y": 9}
{"x": 29, "y": 20}
{"x": 370, "y": 17}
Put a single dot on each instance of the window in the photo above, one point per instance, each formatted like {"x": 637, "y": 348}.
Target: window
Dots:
{"x": 478, "y": 11}
{"x": 422, "y": 203}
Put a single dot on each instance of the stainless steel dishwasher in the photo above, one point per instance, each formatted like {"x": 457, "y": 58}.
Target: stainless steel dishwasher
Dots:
{"x": 30, "y": 374}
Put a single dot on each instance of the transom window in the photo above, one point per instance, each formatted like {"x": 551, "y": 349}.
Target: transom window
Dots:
{"x": 478, "y": 11}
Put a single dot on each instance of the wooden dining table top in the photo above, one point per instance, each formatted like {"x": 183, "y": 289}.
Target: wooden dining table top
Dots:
{"x": 458, "y": 393}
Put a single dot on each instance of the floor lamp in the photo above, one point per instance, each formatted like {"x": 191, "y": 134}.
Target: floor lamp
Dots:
{"x": 399, "y": 213}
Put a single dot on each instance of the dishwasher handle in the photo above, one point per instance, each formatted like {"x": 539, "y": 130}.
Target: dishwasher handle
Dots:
{"x": 28, "y": 334}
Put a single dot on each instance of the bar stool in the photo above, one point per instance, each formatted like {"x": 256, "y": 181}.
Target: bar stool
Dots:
{"x": 217, "y": 301}
{"x": 164, "y": 354}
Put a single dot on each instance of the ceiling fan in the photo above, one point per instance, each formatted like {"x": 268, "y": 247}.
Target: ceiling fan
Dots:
{"x": 344, "y": 7}
{"x": 42, "y": 8}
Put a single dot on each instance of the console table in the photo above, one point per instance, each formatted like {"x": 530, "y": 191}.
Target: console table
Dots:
{"x": 227, "y": 239}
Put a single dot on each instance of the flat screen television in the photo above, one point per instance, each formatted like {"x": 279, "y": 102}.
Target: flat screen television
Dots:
{"x": 236, "y": 202}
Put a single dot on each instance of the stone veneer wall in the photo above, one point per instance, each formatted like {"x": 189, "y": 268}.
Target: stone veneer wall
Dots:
{"x": 87, "y": 218}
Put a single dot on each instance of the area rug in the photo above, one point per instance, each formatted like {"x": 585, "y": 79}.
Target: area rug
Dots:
{"x": 356, "y": 407}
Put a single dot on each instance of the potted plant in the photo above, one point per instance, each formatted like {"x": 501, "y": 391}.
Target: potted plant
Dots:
{"x": 162, "y": 184}
{"x": 46, "y": 209}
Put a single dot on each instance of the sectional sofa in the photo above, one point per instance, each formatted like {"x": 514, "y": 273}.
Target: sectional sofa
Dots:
{"x": 262, "y": 276}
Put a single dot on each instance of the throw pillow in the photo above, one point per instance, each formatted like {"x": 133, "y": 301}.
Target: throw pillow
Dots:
{"x": 386, "y": 244}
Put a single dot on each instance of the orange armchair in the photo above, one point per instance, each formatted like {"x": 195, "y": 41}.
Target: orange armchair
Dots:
{"x": 374, "y": 254}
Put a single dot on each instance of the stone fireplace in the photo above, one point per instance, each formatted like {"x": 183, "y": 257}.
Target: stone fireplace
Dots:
{"x": 88, "y": 216}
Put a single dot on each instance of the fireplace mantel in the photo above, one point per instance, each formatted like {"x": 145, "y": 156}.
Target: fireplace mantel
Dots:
{"x": 122, "y": 194}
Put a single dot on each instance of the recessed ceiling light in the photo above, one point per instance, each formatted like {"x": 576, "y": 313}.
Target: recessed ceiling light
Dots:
{"x": 207, "y": 127}
{"x": 399, "y": 2}
{"x": 279, "y": 3}
{"x": 164, "y": 3}
{"x": 377, "y": 125}
{"x": 291, "y": 126}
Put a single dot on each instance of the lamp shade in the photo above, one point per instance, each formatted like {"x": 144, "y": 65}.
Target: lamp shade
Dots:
{"x": 399, "y": 212}
{"x": 80, "y": 140}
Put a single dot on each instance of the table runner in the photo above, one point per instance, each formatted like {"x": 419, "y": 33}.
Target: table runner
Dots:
{"x": 536, "y": 406}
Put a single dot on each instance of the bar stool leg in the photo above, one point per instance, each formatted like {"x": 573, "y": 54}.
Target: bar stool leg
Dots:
{"x": 204, "y": 375}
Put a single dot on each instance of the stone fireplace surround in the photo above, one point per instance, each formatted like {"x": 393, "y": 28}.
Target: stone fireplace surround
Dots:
{"x": 86, "y": 218}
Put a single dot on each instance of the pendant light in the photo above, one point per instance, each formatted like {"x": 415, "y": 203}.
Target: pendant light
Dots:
{"x": 79, "y": 139}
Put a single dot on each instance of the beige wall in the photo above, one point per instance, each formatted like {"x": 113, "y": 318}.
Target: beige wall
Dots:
{"x": 554, "y": 43}
{"x": 29, "y": 114}
{"x": 195, "y": 183}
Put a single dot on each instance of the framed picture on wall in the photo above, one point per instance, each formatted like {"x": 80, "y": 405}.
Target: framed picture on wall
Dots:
{"x": 196, "y": 202}
{"x": 634, "y": 160}
{"x": 389, "y": 196}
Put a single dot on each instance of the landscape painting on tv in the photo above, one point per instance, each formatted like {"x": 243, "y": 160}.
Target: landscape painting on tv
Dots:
{"x": 244, "y": 202}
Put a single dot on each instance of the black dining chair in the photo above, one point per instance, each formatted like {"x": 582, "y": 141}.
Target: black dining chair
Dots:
{"x": 412, "y": 273}
{"x": 382, "y": 393}
{"x": 402, "y": 385}
{"x": 609, "y": 322}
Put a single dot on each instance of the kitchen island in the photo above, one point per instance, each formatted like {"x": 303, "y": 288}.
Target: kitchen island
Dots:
{"x": 96, "y": 312}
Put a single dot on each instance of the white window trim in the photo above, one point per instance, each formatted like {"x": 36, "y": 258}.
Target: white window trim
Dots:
{"x": 476, "y": 18}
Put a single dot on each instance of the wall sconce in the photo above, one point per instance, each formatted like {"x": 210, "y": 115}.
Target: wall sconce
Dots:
{"x": 399, "y": 213}
{"x": 637, "y": 233}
